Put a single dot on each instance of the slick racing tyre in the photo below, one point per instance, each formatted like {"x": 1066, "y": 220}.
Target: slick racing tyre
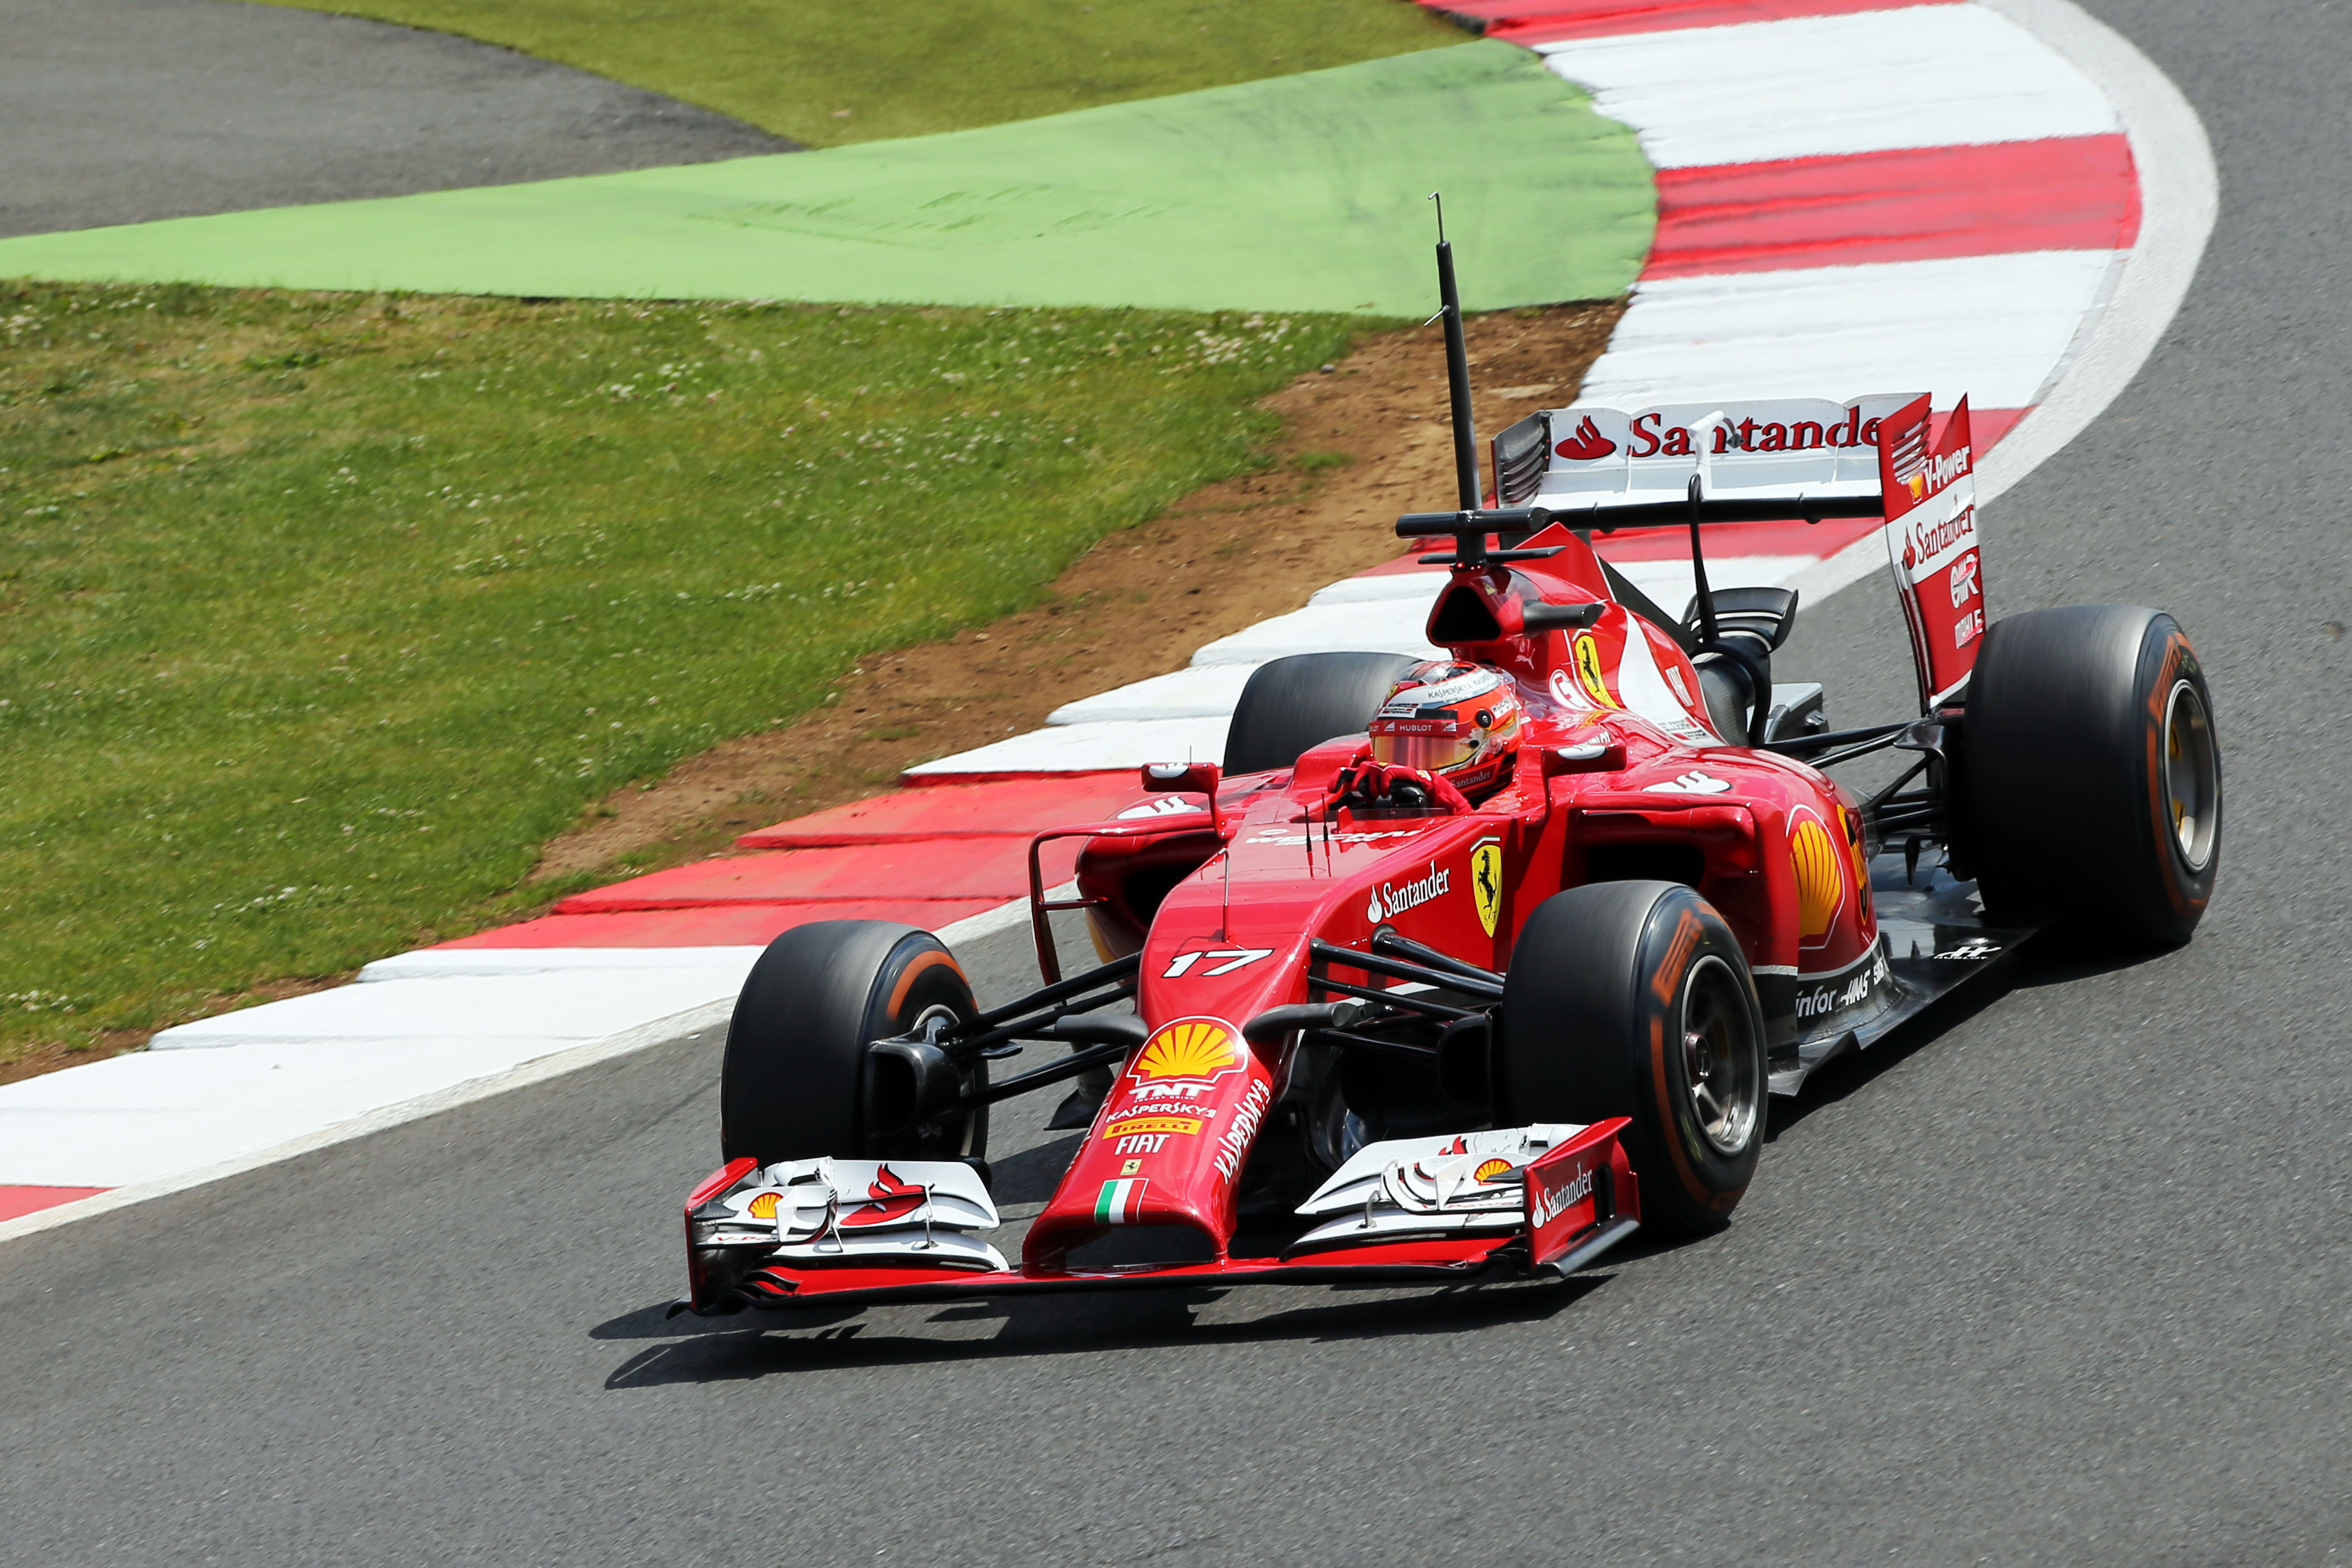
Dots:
{"x": 2090, "y": 777}
{"x": 795, "y": 1080}
{"x": 1293, "y": 705}
{"x": 1635, "y": 999}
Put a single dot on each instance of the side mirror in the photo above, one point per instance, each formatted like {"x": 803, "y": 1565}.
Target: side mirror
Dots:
{"x": 1193, "y": 778}
{"x": 1544, "y": 617}
{"x": 1197, "y": 778}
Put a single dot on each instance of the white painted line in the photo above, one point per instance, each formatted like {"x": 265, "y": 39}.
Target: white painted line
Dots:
{"x": 624, "y": 1042}
{"x": 2179, "y": 193}
{"x": 1929, "y": 76}
{"x": 1991, "y": 327}
{"x": 141, "y": 1117}
{"x": 241, "y": 1143}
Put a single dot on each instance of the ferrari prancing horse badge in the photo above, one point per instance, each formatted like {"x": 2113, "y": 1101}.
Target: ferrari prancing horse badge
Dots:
{"x": 1487, "y": 880}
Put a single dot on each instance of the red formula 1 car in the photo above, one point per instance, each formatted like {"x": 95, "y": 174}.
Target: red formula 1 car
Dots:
{"x": 1466, "y": 970}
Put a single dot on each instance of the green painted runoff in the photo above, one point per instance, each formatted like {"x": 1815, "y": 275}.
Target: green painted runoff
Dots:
{"x": 1300, "y": 193}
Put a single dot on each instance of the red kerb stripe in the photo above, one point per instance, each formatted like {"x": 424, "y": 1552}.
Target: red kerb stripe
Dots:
{"x": 957, "y": 811}
{"x": 1558, "y": 21}
{"x": 17, "y": 1202}
{"x": 994, "y": 868}
{"x": 718, "y": 925}
{"x": 2068, "y": 193}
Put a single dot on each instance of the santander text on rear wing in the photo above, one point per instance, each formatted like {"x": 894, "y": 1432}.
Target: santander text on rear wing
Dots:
{"x": 1772, "y": 460}
{"x": 1785, "y": 450}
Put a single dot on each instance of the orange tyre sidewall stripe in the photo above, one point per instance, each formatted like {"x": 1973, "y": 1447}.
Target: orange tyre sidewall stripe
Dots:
{"x": 915, "y": 971}
{"x": 1667, "y": 987}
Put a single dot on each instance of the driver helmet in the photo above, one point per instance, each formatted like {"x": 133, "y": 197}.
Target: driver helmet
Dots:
{"x": 1458, "y": 722}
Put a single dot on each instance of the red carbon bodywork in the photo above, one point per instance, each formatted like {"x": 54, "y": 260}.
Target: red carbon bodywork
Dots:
{"x": 1616, "y": 761}
{"x": 1780, "y": 844}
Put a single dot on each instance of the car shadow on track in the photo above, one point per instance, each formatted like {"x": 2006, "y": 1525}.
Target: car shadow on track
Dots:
{"x": 760, "y": 1344}
{"x": 2052, "y": 958}
{"x": 756, "y": 1344}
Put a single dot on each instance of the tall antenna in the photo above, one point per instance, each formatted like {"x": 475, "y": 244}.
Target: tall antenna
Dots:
{"x": 1457, "y": 371}
{"x": 1695, "y": 497}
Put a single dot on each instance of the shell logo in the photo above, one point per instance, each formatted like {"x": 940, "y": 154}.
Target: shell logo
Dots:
{"x": 1202, "y": 1049}
{"x": 1821, "y": 882}
{"x": 764, "y": 1206}
{"x": 1489, "y": 1169}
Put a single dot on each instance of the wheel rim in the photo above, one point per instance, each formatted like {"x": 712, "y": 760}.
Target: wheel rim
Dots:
{"x": 2193, "y": 776}
{"x": 1720, "y": 1073}
{"x": 933, "y": 1022}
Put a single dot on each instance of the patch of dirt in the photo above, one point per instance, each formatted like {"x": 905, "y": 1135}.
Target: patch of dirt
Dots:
{"x": 48, "y": 1056}
{"x": 1359, "y": 443}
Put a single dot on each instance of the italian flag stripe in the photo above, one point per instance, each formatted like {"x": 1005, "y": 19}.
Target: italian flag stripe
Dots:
{"x": 1122, "y": 1202}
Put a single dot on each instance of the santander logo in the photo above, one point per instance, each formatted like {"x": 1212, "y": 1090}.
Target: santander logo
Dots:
{"x": 1586, "y": 444}
{"x": 1551, "y": 1203}
{"x": 1924, "y": 542}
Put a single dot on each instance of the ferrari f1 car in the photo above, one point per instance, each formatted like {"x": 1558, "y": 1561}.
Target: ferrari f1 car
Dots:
{"x": 1466, "y": 970}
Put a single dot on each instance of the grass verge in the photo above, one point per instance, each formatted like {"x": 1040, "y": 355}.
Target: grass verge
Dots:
{"x": 829, "y": 72}
{"x": 319, "y": 614}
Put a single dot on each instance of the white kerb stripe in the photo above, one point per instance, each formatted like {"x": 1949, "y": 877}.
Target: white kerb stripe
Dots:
{"x": 1991, "y": 327}
{"x": 1928, "y": 76}
{"x": 1090, "y": 748}
{"x": 1378, "y": 625}
{"x": 1207, "y": 691}
{"x": 1423, "y": 585}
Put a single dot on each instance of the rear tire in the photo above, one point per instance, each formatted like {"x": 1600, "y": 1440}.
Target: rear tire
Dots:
{"x": 2090, "y": 786}
{"x": 793, "y": 1086}
{"x": 1293, "y": 705}
{"x": 1635, "y": 999}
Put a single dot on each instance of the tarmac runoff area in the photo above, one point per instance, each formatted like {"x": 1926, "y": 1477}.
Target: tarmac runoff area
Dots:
{"x": 122, "y": 111}
{"x": 1838, "y": 266}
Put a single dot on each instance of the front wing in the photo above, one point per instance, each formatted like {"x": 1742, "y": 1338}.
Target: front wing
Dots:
{"x": 1510, "y": 1204}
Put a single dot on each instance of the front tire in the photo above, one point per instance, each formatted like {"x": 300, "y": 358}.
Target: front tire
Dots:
{"x": 1293, "y": 705}
{"x": 1634, "y": 999}
{"x": 2090, "y": 787}
{"x": 794, "y": 1083}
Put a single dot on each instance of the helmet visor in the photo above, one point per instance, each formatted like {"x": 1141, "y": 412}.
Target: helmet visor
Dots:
{"x": 1431, "y": 753}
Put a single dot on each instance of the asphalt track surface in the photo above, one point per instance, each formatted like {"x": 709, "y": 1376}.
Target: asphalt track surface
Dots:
{"x": 2061, "y": 1276}
{"x": 124, "y": 110}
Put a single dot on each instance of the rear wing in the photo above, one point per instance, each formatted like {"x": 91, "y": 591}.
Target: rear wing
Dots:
{"x": 1693, "y": 463}
{"x": 1786, "y": 452}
